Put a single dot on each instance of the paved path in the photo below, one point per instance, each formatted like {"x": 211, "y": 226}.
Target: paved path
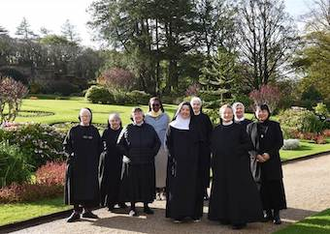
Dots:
{"x": 307, "y": 187}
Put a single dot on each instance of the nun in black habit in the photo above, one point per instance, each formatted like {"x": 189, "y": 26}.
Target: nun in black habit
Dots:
{"x": 139, "y": 143}
{"x": 83, "y": 147}
{"x": 184, "y": 185}
{"x": 234, "y": 196}
{"x": 205, "y": 126}
{"x": 266, "y": 136}
{"x": 111, "y": 164}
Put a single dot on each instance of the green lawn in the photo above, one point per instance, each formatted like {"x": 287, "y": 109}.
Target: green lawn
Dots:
{"x": 316, "y": 224}
{"x": 306, "y": 148}
{"x": 11, "y": 213}
{"x": 68, "y": 110}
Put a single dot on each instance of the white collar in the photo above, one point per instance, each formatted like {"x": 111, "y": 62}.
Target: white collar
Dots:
{"x": 138, "y": 124}
{"x": 180, "y": 123}
{"x": 239, "y": 119}
{"x": 227, "y": 124}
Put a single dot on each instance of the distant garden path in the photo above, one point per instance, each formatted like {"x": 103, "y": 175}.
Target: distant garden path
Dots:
{"x": 307, "y": 185}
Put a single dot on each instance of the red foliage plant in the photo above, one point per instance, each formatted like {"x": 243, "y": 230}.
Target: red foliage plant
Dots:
{"x": 267, "y": 94}
{"x": 117, "y": 78}
{"x": 50, "y": 179}
{"x": 193, "y": 90}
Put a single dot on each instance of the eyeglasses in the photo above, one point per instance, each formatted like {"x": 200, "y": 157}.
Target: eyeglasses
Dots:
{"x": 156, "y": 104}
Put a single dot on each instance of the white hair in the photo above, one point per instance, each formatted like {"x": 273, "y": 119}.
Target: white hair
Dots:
{"x": 196, "y": 99}
{"x": 236, "y": 104}
{"x": 114, "y": 116}
{"x": 85, "y": 110}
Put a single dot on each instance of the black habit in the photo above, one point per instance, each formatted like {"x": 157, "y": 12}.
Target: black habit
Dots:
{"x": 267, "y": 138}
{"x": 184, "y": 186}
{"x": 234, "y": 195}
{"x": 110, "y": 168}
{"x": 140, "y": 144}
{"x": 83, "y": 146}
{"x": 244, "y": 122}
{"x": 205, "y": 126}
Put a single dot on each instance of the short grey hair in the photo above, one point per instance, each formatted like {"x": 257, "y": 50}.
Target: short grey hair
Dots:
{"x": 114, "y": 116}
{"x": 196, "y": 99}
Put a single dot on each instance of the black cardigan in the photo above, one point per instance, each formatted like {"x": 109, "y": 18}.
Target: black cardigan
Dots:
{"x": 272, "y": 143}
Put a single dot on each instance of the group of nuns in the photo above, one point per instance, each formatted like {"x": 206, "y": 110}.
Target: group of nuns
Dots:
{"x": 155, "y": 158}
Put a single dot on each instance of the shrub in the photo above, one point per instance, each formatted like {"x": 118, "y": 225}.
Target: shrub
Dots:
{"x": 99, "y": 94}
{"x": 51, "y": 173}
{"x": 120, "y": 98}
{"x": 38, "y": 143}
{"x": 302, "y": 120}
{"x": 62, "y": 88}
{"x": 326, "y": 133}
{"x": 13, "y": 166}
{"x": 137, "y": 97}
{"x": 290, "y": 144}
{"x": 321, "y": 109}
{"x": 49, "y": 183}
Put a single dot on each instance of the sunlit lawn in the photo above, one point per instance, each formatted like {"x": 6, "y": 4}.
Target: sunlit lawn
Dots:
{"x": 11, "y": 213}
{"x": 316, "y": 224}
{"x": 306, "y": 148}
{"x": 67, "y": 110}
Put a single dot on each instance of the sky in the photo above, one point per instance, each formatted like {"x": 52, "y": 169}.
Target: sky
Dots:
{"x": 52, "y": 14}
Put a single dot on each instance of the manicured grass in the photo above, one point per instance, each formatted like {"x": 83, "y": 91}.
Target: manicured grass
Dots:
{"x": 306, "y": 148}
{"x": 68, "y": 110}
{"x": 11, "y": 213}
{"x": 316, "y": 224}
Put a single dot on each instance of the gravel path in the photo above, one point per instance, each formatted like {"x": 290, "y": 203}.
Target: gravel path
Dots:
{"x": 307, "y": 186}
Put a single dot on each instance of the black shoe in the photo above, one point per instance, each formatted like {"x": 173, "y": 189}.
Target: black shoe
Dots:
{"x": 268, "y": 216}
{"x": 111, "y": 208}
{"x": 132, "y": 213}
{"x": 122, "y": 205}
{"x": 89, "y": 215}
{"x": 238, "y": 226}
{"x": 224, "y": 222}
{"x": 73, "y": 217}
{"x": 147, "y": 210}
{"x": 277, "y": 220}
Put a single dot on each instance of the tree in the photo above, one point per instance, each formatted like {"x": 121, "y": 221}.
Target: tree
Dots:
{"x": 11, "y": 95}
{"x": 267, "y": 39}
{"x": 318, "y": 18}
{"x": 24, "y": 30}
{"x": 314, "y": 62}
{"x": 218, "y": 76}
{"x": 69, "y": 31}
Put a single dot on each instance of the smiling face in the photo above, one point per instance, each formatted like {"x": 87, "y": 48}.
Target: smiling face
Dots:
{"x": 85, "y": 117}
{"x": 137, "y": 117}
{"x": 239, "y": 111}
{"x": 185, "y": 112}
{"x": 196, "y": 105}
{"x": 114, "y": 122}
{"x": 227, "y": 115}
{"x": 261, "y": 115}
{"x": 155, "y": 105}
